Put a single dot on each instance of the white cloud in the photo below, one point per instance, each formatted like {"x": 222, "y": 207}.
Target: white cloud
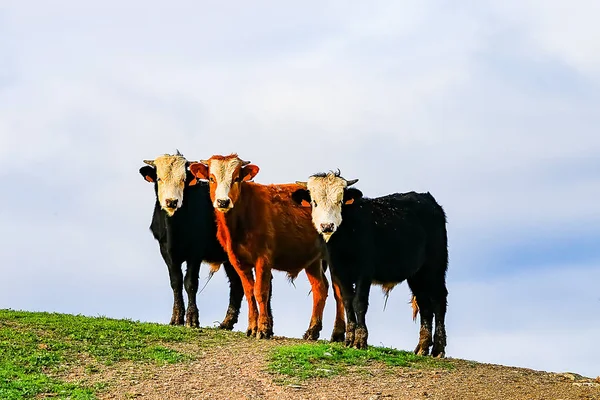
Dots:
{"x": 567, "y": 32}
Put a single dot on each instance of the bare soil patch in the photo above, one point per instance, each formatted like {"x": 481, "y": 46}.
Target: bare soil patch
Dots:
{"x": 238, "y": 370}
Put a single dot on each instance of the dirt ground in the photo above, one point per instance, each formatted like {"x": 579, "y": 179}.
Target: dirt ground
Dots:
{"x": 238, "y": 371}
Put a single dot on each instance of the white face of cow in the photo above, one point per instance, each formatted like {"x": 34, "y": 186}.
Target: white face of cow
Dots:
{"x": 327, "y": 198}
{"x": 222, "y": 175}
{"x": 170, "y": 178}
{"x": 225, "y": 175}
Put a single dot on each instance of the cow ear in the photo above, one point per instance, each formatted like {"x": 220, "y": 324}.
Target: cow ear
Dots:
{"x": 149, "y": 173}
{"x": 248, "y": 172}
{"x": 199, "y": 170}
{"x": 351, "y": 195}
{"x": 190, "y": 179}
{"x": 302, "y": 197}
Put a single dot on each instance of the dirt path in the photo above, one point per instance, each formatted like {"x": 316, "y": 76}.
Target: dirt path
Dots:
{"x": 238, "y": 371}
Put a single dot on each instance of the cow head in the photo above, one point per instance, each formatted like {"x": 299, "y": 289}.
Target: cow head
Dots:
{"x": 170, "y": 175}
{"x": 326, "y": 193}
{"x": 225, "y": 175}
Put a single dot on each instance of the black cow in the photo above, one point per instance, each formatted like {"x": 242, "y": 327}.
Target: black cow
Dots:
{"x": 384, "y": 241}
{"x": 184, "y": 225}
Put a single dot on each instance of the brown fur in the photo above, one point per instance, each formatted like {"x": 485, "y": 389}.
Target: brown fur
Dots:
{"x": 265, "y": 230}
{"x": 415, "y": 307}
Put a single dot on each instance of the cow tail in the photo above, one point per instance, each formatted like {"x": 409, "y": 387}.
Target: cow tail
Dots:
{"x": 415, "y": 307}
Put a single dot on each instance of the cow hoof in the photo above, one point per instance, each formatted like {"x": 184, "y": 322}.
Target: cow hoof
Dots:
{"x": 421, "y": 351}
{"x": 175, "y": 321}
{"x": 360, "y": 338}
{"x": 360, "y": 344}
{"x": 192, "y": 324}
{"x": 251, "y": 332}
{"x": 311, "y": 334}
{"x": 349, "y": 339}
{"x": 191, "y": 320}
{"x": 338, "y": 336}
{"x": 264, "y": 334}
{"x": 438, "y": 353}
{"x": 227, "y": 325}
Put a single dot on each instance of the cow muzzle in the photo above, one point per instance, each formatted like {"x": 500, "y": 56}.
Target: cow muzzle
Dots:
{"x": 170, "y": 206}
{"x": 171, "y": 203}
{"x": 223, "y": 205}
{"x": 327, "y": 228}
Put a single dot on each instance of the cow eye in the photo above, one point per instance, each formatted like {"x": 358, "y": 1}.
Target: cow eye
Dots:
{"x": 211, "y": 179}
{"x": 158, "y": 179}
{"x": 314, "y": 204}
{"x": 238, "y": 179}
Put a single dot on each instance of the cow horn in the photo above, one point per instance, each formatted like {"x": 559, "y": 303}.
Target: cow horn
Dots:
{"x": 205, "y": 162}
{"x": 351, "y": 182}
{"x": 149, "y": 162}
{"x": 245, "y": 162}
{"x": 303, "y": 184}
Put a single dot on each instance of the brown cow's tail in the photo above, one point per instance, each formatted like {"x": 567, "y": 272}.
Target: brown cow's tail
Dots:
{"x": 415, "y": 307}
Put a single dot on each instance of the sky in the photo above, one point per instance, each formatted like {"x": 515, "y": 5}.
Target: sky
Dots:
{"x": 490, "y": 106}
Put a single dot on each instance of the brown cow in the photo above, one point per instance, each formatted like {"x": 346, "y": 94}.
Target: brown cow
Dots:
{"x": 261, "y": 228}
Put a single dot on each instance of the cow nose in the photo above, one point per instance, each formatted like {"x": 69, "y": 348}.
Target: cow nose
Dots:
{"x": 223, "y": 203}
{"x": 171, "y": 203}
{"x": 327, "y": 228}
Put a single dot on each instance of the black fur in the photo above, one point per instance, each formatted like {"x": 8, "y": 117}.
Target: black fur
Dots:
{"x": 390, "y": 239}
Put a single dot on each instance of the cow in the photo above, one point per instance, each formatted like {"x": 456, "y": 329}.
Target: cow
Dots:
{"x": 383, "y": 240}
{"x": 184, "y": 225}
{"x": 261, "y": 229}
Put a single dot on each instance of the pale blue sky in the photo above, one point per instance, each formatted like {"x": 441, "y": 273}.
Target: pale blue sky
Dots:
{"x": 492, "y": 107}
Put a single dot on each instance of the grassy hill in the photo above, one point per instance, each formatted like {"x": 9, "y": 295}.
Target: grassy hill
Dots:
{"x": 59, "y": 356}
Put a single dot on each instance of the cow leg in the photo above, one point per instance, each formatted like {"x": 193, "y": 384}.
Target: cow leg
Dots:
{"x": 425, "y": 312}
{"x": 262, "y": 291}
{"x": 439, "y": 310}
{"x": 361, "y": 304}
{"x": 191, "y": 288}
{"x": 236, "y": 293}
{"x": 176, "y": 278}
{"x": 247, "y": 278}
{"x": 319, "y": 286}
{"x": 346, "y": 287}
{"x": 339, "y": 327}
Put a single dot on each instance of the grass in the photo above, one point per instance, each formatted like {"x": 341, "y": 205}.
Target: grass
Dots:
{"x": 35, "y": 348}
{"x": 58, "y": 355}
{"x": 325, "y": 359}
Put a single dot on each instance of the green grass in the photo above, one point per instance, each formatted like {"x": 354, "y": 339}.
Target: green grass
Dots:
{"x": 305, "y": 361}
{"x": 37, "y": 347}
{"x": 39, "y": 350}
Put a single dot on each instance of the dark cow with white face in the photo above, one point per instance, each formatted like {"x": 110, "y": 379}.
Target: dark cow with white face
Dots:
{"x": 384, "y": 240}
{"x": 184, "y": 225}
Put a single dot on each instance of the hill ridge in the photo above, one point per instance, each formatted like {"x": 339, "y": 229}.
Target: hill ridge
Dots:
{"x": 53, "y": 355}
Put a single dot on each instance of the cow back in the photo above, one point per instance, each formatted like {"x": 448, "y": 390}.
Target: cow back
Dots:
{"x": 267, "y": 221}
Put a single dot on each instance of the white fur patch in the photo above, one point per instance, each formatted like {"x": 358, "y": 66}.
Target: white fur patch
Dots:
{"x": 171, "y": 174}
{"x": 223, "y": 171}
{"x": 327, "y": 194}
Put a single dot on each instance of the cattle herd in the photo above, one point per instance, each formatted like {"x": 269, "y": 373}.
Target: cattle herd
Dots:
{"x": 211, "y": 211}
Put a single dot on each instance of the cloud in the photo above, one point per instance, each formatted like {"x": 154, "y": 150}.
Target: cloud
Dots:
{"x": 564, "y": 32}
